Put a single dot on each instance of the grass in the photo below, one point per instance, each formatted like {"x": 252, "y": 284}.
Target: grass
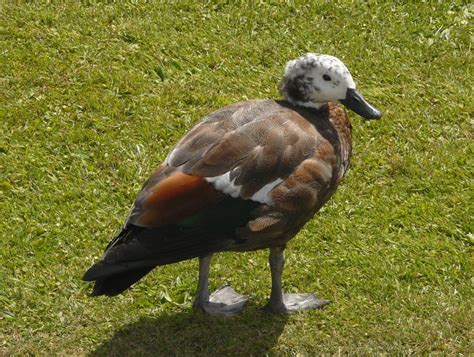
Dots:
{"x": 93, "y": 96}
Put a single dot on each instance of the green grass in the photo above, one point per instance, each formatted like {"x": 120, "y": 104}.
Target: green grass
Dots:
{"x": 92, "y": 97}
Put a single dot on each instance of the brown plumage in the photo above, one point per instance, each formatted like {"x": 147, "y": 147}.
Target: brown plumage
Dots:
{"x": 173, "y": 198}
{"x": 257, "y": 142}
{"x": 246, "y": 177}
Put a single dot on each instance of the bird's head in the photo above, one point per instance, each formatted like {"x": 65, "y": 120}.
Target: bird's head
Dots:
{"x": 313, "y": 80}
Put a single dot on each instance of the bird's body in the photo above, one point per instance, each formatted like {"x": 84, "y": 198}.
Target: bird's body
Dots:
{"x": 246, "y": 177}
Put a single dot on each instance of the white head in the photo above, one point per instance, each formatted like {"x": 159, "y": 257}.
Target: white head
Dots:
{"x": 313, "y": 80}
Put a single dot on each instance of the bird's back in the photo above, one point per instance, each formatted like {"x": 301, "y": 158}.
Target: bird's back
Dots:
{"x": 287, "y": 159}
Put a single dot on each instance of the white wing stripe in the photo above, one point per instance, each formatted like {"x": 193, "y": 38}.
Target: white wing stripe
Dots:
{"x": 262, "y": 194}
{"x": 224, "y": 184}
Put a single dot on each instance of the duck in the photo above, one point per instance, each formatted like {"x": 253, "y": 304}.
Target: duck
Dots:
{"x": 246, "y": 177}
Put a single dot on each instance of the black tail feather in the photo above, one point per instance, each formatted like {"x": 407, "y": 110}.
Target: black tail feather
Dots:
{"x": 115, "y": 284}
{"x": 137, "y": 251}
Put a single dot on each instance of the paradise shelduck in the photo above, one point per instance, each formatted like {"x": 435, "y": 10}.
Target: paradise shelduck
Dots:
{"x": 246, "y": 177}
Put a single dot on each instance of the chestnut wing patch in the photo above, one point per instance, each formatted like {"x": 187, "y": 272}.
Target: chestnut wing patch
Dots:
{"x": 171, "y": 196}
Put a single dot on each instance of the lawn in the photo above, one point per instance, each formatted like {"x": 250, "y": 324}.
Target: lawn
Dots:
{"x": 92, "y": 98}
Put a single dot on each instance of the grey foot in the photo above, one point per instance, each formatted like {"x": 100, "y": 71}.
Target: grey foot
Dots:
{"x": 296, "y": 302}
{"x": 224, "y": 301}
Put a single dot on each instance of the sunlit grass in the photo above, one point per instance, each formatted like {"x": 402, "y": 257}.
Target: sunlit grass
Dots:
{"x": 92, "y": 97}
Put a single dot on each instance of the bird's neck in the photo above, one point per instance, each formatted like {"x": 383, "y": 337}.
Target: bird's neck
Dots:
{"x": 306, "y": 104}
{"x": 341, "y": 122}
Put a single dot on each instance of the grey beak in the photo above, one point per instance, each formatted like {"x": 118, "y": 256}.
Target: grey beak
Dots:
{"x": 356, "y": 102}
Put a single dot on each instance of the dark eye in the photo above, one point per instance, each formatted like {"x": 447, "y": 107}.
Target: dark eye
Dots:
{"x": 326, "y": 77}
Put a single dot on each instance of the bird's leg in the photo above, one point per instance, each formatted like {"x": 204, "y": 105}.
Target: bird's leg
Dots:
{"x": 202, "y": 293}
{"x": 277, "y": 262}
{"x": 223, "y": 301}
{"x": 287, "y": 303}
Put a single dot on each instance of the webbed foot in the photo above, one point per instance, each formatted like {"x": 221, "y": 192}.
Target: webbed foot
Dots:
{"x": 295, "y": 302}
{"x": 224, "y": 301}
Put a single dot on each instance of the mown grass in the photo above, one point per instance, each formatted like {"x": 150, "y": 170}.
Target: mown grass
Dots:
{"x": 94, "y": 95}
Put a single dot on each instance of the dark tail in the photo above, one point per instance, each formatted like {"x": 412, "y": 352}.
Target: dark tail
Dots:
{"x": 135, "y": 251}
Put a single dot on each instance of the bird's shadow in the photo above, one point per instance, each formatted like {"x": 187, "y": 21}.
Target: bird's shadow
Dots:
{"x": 254, "y": 332}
